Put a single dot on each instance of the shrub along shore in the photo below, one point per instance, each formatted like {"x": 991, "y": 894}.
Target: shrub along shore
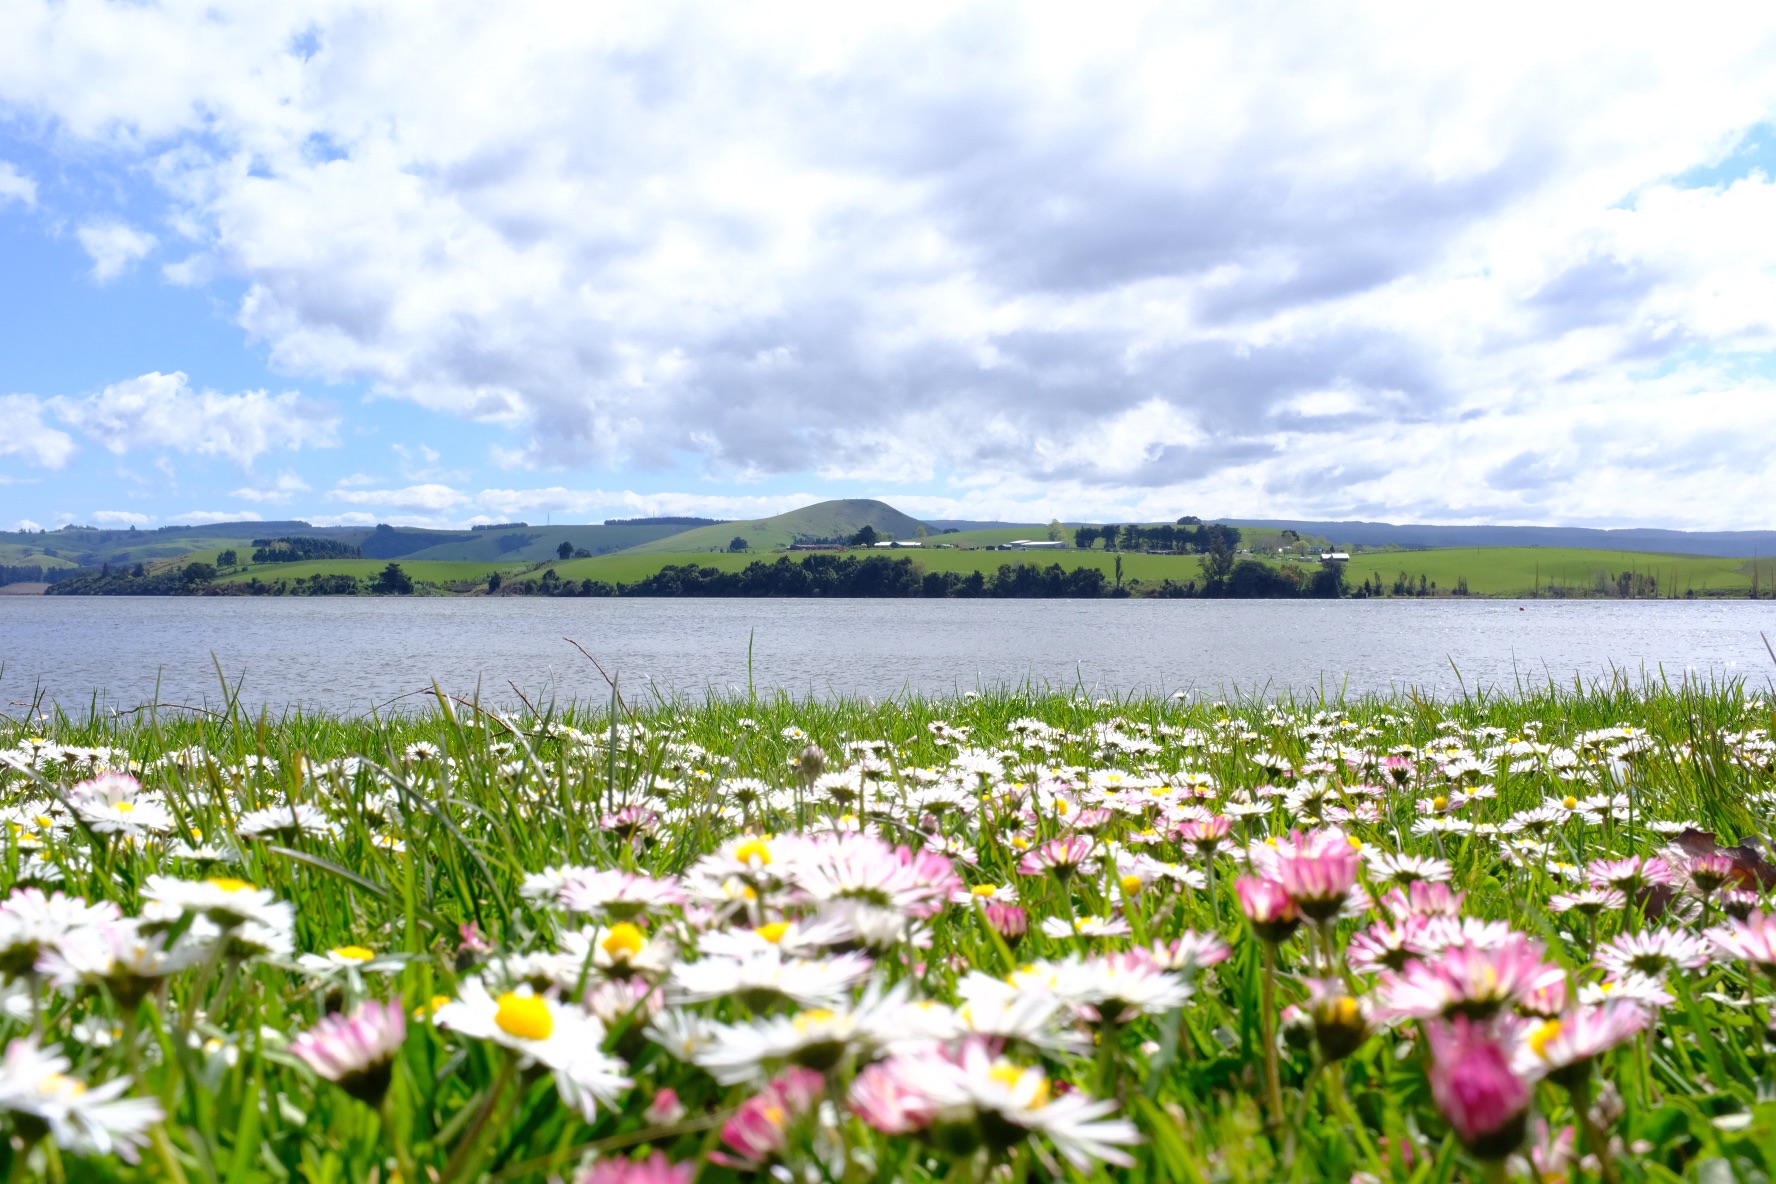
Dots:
{"x": 818, "y": 575}
{"x": 1021, "y": 937}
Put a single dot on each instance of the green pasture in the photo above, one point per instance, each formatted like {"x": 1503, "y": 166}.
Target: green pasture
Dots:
{"x": 830, "y": 519}
{"x": 20, "y": 555}
{"x": 427, "y": 570}
{"x": 1519, "y": 571}
{"x": 1489, "y": 571}
{"x": 630, "y": 566}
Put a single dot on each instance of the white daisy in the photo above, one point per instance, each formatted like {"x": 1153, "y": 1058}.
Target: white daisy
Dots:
{"x": 818, "y": 1038}
{"x": 540, "y": 1029}
{"x": 225, "y": 901}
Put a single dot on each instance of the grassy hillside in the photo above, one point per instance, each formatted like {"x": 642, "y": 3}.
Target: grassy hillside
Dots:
{"x": 25, "y": 555}
{"x": 819, "y": 521}
{"x": 90, "y": 546}
{"x": 1518, "y": 571}
{"x": 536, "y": 543}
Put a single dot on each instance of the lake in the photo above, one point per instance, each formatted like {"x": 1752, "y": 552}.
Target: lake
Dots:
{"x": 346, "y": 654}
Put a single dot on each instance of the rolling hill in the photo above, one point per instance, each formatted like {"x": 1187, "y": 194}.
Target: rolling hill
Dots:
{"x": 505, "y": 545}
{"x": 823, "y": 520}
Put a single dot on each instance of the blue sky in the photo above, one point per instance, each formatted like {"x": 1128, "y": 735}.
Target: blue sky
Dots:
{"x": 332, "y": 261}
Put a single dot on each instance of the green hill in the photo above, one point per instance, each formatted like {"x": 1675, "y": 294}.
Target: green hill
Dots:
{"x": 823, "y": 520}
{"x": 506, "y": 545}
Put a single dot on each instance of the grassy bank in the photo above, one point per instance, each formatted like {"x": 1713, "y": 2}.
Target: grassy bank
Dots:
{"x": 991, "y": 936}
{"x": 1562, "y": 571}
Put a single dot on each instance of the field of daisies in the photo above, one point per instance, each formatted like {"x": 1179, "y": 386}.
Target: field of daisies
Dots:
{"x": 1015, "y": 938}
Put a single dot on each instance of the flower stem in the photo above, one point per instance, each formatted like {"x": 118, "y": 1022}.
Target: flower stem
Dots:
{"x": 1214, "y": 901}
{"x": 1273, "y": 1088}
{"x": 1580, "y": 1094}
{"x": 403, "y": 1156}
{"x": 468, "y": 1151}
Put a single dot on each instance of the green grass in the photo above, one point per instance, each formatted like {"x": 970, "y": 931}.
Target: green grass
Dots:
{"x": 631, "y": 566}
{"x": 419, "y": 848}
{"x": 22, "y": 555}
{"x": 1518, "y": 571}
{"x": 432, "y": 571}
{"x": 1491, "y": 571}
{"x": 829, "y": 519}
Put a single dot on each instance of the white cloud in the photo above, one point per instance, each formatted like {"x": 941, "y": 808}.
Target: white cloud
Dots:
{"x": 281, "y": 491}
{"x": 16, "y": 186}
{"x": 121, "y": 518}
{"x": 25, "y": 524}
{"x": 114, "y": 247}
{"x": 413, "y": 497}
{"x": 205, "y": 517}
{"x": 163, "y": 411}
{"x": 497, "y": 504}
{"x": 444, "y": 505}
{"x": 24, "y": 434}
{"x": 1381, "y": 259}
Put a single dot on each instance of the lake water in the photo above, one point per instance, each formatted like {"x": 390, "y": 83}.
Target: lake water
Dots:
{"x": 347, "y": 654}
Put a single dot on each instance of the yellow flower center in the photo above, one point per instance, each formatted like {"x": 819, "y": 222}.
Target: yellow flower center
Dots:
{"x": 984, "y": 889}
{"x": 1439, "y": 803}
{"x": 1356, "y": 842}
{"x": 432, "y": 1007}
{"x": 54, "y": 1083}
{"x": 753, "y": 851}
{"x": 773, "y": 931}
{"x": 1131, "y": 885}
{"x": 809, "y": 1019}
{"x": 1570, "y": 802}
{"x": 1543, "y": 1036}
{"x": 126, "y": 807}
{"x": 625, "y": 941}
{"x": 353, "y": 953}
{"x": 229, "y": 884}
{"x": 1012, "y": 1077}
{"x": 524, "y": 1016}
{"x": 1062, "y": 807}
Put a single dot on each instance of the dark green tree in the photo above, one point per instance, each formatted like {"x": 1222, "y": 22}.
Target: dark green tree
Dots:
{"x": 1217, "y": 562}
{"x": 865, "y": 537}
{"x": 737, "y": 544}
{"x": 565, "y": 549}
{"x": 392, "y": 581}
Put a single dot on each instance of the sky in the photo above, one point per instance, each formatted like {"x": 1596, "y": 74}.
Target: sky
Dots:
{"x": 434, "y": 262}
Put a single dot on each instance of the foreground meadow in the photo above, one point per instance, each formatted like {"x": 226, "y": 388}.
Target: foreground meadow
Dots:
{"x": 1008, "y": 938}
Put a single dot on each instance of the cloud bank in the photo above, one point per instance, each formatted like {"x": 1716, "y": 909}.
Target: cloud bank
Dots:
{"x": 1381, "y": 260}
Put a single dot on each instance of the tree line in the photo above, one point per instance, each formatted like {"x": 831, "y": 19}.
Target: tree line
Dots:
{"x": 198, "y": 579}
{"x": 295, "y": 549}
{"x": 1188, "y": 535}
{"x": 878, "y": 576}
{"x": 31, "y": 573}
